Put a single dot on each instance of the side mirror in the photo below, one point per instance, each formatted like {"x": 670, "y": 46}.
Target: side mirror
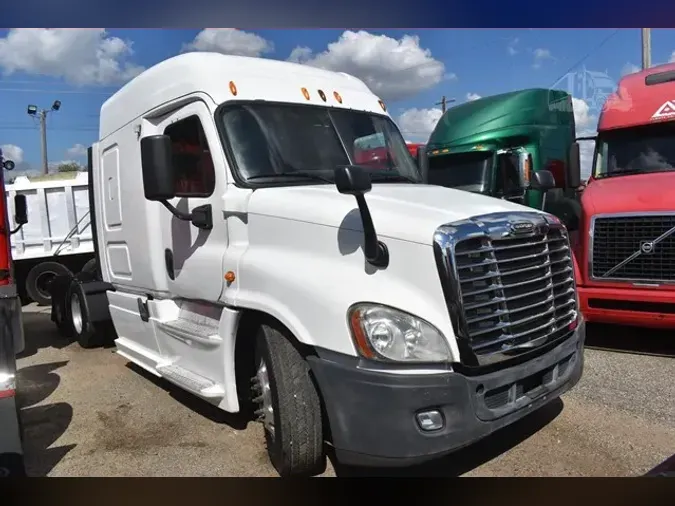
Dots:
{"x": 20, "y": 209}
{"x": 8, "y": 165}
{"x": 574, "y": 176}
{"x": 542, "y": 180}
{"x": 423, "y": 163}
{"x": 352, "y": 180}
{"x": 157, "y": 166}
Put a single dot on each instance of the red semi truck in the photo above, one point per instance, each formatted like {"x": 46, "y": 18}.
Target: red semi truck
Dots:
{"x": 11, "y": 336}
{"x": 626, "y": 252}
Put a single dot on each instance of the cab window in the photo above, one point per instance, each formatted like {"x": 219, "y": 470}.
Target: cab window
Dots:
{"x": 193, "y": 165}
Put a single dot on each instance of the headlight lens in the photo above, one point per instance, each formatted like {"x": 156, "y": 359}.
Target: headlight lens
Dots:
{"x": 382, "y": 332}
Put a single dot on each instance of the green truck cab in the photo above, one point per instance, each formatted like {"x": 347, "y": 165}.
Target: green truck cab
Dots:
{"x": 496, "y": 145}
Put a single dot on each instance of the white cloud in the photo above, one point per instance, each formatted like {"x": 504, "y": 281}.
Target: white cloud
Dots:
{"x": 585, "y": 123}
{"x": 630, "y": 68}
{"x": 80, "y": 56}
{"x": 511, "y": 48}
{"x": 470, "y": 97}
{"x": 300, "y": 54}
{"x": 12, "y": 152}
{"x": 230, "y": 41}
{"x": 392, "y": 69}
{"x": 540, "y": 55}
{"x": 417, "y": 124}
{"x": 672, "y": 57}
{"x": 77, "y": 151}
{"x": 583, "y": 118}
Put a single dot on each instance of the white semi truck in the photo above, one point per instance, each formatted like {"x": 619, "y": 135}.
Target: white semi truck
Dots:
{"x": 244, "y": 257}
{"x": 57, "y": 240}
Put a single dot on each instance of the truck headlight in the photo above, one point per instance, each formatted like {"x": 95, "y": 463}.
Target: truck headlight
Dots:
{"x": 382, "y": 332}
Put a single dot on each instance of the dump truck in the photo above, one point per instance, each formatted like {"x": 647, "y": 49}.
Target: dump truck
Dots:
{"x": 58, "y": 240}
{"x": 244, "y": 255}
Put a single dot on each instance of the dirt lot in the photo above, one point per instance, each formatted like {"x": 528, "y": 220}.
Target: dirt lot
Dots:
{"x": 91, "y": 413}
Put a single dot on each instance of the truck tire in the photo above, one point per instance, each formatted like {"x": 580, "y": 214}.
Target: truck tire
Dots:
{"x": 288, "y": 406}
{"x": 38, "y": 280}
{"x": 83, "y": 330}
{"x": 89, "y": 267}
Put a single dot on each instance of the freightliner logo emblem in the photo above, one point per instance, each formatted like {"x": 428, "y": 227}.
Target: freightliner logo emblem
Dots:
{"x": 521, "y": 227}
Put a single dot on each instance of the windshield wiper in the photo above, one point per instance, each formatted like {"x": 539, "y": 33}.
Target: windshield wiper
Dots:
{"x": 300, "y": 174}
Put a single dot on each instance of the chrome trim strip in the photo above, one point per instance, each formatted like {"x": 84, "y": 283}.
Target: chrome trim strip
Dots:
{"x": 653, "y": 283}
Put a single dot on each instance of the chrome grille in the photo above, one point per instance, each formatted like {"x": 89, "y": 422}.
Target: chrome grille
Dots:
{"x": 617, "y": 248}
{"x": 515, "y": 291}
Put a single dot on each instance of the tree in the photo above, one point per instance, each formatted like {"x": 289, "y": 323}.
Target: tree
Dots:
{"x": 69, "y": 167}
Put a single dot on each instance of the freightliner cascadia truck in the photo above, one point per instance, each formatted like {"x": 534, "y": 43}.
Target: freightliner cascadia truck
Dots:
{"x": 244, "y": 256}
{"x": 627, "y": 249}
{"x": 495, "y": 145}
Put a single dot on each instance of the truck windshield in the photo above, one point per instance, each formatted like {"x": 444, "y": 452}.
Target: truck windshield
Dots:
{"x": 464, "y": 171}
{"x": 635, "y": 151}
{"x": 295, "y": 144}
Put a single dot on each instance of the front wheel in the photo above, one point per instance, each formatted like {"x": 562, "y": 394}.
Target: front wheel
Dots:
{"x": 288, "y": 406}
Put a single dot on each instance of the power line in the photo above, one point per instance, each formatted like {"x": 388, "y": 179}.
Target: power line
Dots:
{"x": 597, "y": 48}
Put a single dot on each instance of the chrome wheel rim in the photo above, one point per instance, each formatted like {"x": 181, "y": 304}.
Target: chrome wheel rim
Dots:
{"x": 76, "y": 313}
{"x": 266, "y": 411}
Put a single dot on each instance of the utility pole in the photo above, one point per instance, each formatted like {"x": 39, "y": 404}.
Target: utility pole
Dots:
{"x": 444, "y": 102}
{"x": 646, "y": 48}
{"x": 41, "y": 114}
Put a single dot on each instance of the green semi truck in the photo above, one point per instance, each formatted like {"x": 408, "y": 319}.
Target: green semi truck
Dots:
{"x": 497, "y": 145}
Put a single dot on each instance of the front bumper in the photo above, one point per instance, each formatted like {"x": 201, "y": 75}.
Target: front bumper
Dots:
{"x": 628, "y": 306}
{"x": 372, "y": 412}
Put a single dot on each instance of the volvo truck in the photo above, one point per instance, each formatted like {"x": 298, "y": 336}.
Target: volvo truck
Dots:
{"x": 627, "y": 249}
{"x": 11, "y": 336}
{"x": 245, "y": 256}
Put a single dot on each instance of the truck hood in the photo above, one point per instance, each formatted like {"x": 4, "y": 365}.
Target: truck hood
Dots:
{"x": 410, "y": 212}
{"x": 634, "y": 193}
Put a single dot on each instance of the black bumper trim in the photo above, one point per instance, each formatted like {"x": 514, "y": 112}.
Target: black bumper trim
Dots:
{"x": 372, "y": 412}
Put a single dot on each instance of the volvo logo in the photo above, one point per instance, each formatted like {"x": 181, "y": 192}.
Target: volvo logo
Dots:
{"x": 647, "y": 247}
{"x": 521, "y": 227}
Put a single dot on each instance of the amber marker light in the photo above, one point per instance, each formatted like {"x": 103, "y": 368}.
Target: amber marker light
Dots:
{"x": 305, "y": 93}
{"x": 229, "y": 276}
{"x": 359, "y": 336}
{"x": 337, "y": 97}
{"x": 233, "y": 88}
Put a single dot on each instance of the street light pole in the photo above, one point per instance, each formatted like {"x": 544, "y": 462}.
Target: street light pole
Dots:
{"x": 42, "y": 118}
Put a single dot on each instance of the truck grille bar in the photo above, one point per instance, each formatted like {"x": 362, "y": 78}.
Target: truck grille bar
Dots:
{"x": 634, "y": 248}
{"x": 509, "y": 283}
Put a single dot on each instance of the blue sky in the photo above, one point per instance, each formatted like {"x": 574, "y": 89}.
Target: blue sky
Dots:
{"x": 411, "y": 69}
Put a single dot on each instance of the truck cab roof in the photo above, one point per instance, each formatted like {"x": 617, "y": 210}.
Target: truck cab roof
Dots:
{"x": 642, "y": 98}
{"x": 520, "y": 111}
{"x": 228, "y": 78}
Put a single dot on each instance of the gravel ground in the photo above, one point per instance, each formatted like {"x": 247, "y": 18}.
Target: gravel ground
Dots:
{"x": 91, "y": 413}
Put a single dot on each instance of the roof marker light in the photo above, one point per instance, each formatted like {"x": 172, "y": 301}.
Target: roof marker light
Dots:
{"x": 337, "y": 97}
{"x": 233, "y": 88}
{"x": 384, "y": 107}
{"x": 305, "y": 93}
{"x": 322, "y": 95}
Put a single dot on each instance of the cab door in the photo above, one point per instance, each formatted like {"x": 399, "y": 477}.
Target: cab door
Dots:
{"x": 194, "y": 257}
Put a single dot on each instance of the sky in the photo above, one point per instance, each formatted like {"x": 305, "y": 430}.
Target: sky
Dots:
{"x": 409, "y": 69}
